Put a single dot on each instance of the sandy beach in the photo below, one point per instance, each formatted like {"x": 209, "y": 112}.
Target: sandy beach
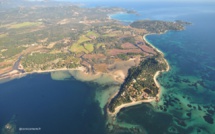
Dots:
{"x": 117, "y": 109}
{"x": 16, "y": 74}
{"x": 158, "y": 72}
{"x": 144, "y": 38}
{"x": 60, "y": 69}
{"x": 117, "y": 75}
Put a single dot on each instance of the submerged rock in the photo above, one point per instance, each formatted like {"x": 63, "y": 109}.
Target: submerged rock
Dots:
{"x": 10, "y": 128}
{"x": 208, "y": 119}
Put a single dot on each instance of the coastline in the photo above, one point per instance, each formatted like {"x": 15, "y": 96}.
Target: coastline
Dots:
{"x": 54, "y": 70}
{"x": 168, "y": 66}
{"x": 109, "y": 16}
{"x": 167, "y": 63}
{"x": 20, "y": 75}
{"x": 117, "y": 76}
{"x": 158, "y": 72}
{"x": 157, "y": 98}
{"x": 117, "y": 109}
{"x": 114, "y": 75}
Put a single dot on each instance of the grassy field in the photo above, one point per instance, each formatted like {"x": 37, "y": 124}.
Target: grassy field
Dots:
{"x": 24, "y": 24}
{"x": 99, "y": 44}
{"x": 91, "y": 33}
{"x": 76, "y": 47}
{"x": 89, "y": 47}
{"x": 55, "y": 51}
{"x": 110, "y": 35}
{"x": 3, "y": 35}
{"x": 12, "y": 51}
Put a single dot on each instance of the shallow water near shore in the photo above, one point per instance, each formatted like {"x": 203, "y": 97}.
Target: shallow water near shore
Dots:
{"x": 59, "y": 103}
{"x": 187, "y": 101}
{"x": 55, "y": 106}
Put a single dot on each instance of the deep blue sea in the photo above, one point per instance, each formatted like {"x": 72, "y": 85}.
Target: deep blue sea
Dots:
{"x": 56, "y": 107}
{"x": 188, "y": 89}
{"x": 187, "y": 103}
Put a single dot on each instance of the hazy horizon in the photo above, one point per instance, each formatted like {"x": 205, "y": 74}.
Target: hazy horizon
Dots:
{"x": 178, "y": 1}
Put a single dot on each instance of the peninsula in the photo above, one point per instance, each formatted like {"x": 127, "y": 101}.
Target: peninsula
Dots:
{"x": 47, "y": 38}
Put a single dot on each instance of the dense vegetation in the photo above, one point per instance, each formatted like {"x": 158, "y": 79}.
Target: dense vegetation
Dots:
{"x": 155, "y": 26}
{"x": 44, "y": 61}
{"x": 139, "y": 82}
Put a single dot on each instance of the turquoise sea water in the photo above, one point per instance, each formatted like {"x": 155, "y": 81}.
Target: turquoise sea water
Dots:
{"x": 188, "y": 90}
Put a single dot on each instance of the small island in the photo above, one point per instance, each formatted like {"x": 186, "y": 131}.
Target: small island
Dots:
{"x": 10, "y": 127}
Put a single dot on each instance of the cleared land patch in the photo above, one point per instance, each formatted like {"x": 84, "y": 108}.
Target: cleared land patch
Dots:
{"x": 77, "y": 47}
{"x": 89, "y": 47}
{"x": 3, "y": 35}
{"x": 24, "y": 24}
